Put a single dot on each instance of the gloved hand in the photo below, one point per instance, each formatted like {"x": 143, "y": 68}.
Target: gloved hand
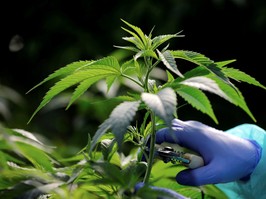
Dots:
{"x": 163, "y": 193}
{"x": 226, "y": 157}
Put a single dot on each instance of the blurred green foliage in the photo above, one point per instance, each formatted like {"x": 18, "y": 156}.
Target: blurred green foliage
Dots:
{"x": 41, "y": 36}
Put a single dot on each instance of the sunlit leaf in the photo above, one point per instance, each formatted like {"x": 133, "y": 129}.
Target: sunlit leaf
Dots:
{"x": 241, "y": 76}
{"x": 224, "y": 63}
{"x": 130, "y": 48}
{"x": 139, "y": 32}
{"x": 143, "y": 53}
{"x": 159, "y": 40}
{"x": 135, "y": 40}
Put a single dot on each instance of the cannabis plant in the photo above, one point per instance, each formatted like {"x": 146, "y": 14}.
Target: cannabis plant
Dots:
{"x": 102, "y": 169}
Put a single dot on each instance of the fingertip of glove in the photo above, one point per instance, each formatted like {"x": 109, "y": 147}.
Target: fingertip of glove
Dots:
{"x": 185, "y": 178}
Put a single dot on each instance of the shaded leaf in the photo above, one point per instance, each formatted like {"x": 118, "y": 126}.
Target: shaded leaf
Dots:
{"x": 197, "y": 99}
{"x": 111, "y": 174}
{"x": 118, "y": 121}
{"x": 169, "y": 62}
{"x": 82, "y": 87}
{"x": 163, "y": 103}
{"x": 235, "y": 96}
{"x": 68, "y": 69}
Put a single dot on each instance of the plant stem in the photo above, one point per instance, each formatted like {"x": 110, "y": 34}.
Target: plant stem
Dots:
{"x": 148, "y": 74}
{"x": 152, "y": 148}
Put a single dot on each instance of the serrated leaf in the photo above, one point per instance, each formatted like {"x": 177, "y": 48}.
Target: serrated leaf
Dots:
{"x": 82, "y": 87}
{"x": 241, "y": 76}
{"x": 130, "y": 48}
{"x": 206, "y": 84}
{"x": 169, "y": 62}
{"x": 224, "y": 63}
{"x": 111, "y": 173}
{"x": 141, "y": 38}
{"x": 118, "y": 122}
{"x": 232, "y": 93}
{"x": 90, "y": 75}
{"x": 109, "y": 81}
{"x": 159, "y": 40}
{"x": 201, "y": 60}
{"x": 143, "y": 53}
{"x": 109, "y": 61}
{"x": 79, "y": 65}
{"x": 170, "y": 77}
{"x": 235, "y": 96}
{"x": 136, "y": 41}
{"x": 163, "y": 104}
{"x": 191, "y": 56}
{"x": 197, "y": 99}
{"x": 68, "y": 69}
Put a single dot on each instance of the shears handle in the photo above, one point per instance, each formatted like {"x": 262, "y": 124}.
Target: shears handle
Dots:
{"x": 194, "y": 160}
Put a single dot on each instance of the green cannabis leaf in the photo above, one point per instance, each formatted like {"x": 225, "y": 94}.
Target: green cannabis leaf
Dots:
{"x": 197, "y": 99}
{"x": 118, "y": 122}
{"x": 163, "y": 104}
{"x": 83, "y": 73}
{"x": 169, "y": 62}
{"x": 206, "y": 84}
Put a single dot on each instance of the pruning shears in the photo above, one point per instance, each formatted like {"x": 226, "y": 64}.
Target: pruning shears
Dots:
{"x": 169, "y": 154}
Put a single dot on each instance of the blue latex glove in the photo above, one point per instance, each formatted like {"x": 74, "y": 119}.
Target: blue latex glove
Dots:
{"x": 226, "y": 157}
{"x": 163, "y": 193}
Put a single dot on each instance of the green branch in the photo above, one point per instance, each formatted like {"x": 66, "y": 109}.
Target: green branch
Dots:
{"x": 151, "y": 150}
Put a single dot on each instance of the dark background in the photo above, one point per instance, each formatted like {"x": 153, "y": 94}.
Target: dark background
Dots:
{"x": 54, "y": 33}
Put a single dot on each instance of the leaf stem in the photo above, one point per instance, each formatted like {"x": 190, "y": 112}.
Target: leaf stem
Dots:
{"x": 132, "y": 79}
{"x": 152, "y": 149}
{"x": 148, "y": 74}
